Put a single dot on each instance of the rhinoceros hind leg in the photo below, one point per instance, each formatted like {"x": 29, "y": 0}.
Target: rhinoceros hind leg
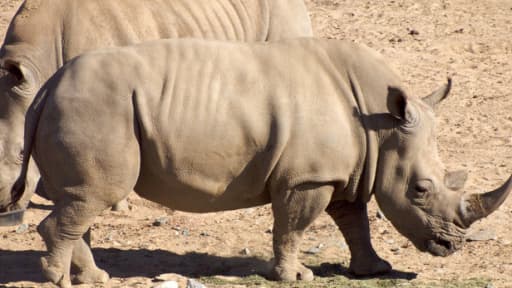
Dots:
{"x": 352, "y": 220}
{"x": 294, "y": 210}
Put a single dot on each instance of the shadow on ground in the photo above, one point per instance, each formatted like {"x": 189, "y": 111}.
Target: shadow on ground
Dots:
{"x": 334, "y": 269}
{"x": 24, "y": 265}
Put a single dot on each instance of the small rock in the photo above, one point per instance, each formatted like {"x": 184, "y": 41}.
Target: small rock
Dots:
{"x": 343, "y": 245}
{"x": 22, "y": 228}
{"x": 204, "y": 234}
{"x": 389, "y": 241}
{"x": 482, "y": 235}
{"x": 489, "y": 285}
{"x": 380, "y": 215}
{"x": 506, "y": 242}
{"x": 191, "y": 283}
{"x": 185, "y": 232}
{"x": 180, "y": 280}
{"x": 227, "y": 278}
{"x": 170, "y": 277}
{"x": 167, "y": 284}
{"x": 383, "y": 231}
{"x": 313, "y": 250}
{"x": 245, "y": 251}
{"x": 413, "y": 32}
{"x": 160, "y": 221}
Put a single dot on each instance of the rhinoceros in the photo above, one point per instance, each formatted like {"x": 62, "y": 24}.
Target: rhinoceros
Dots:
{"x": 44, "y": 35}
{"x": 200, "y": 126}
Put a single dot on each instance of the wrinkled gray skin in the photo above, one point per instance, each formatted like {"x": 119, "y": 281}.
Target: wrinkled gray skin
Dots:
{"x": 201, "y": 126}
{"x": 45, "y": 34}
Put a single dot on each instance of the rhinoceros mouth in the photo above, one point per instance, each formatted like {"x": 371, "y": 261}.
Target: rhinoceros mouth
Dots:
{"x": 440, "y": 247}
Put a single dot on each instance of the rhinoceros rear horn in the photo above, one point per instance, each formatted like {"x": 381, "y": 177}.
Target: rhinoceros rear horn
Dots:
{"x": 438, "y": 95}
{"x": 474, "y": 207}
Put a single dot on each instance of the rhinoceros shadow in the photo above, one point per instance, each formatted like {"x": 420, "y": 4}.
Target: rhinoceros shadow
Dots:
{"x": 24, "y": 265}
{"x": 335, "y": 269}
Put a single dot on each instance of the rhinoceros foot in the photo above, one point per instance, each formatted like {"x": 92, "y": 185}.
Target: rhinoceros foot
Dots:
{"x": 292, "y": 273}
{"x": 368, "y": 267}
{"x": 55, "y": 274}
{"x": 91, "y": 276}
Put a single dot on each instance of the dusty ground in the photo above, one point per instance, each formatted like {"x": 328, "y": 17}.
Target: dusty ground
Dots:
{"x": 426, "y": 41}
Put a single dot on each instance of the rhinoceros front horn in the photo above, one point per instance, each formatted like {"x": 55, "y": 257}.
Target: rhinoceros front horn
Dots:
{"x": 438, "y": 95}
{"x": 477, "y": 206}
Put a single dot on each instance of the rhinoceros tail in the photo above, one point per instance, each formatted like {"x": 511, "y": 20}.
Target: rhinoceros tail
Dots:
{"x": 31, "y": 122}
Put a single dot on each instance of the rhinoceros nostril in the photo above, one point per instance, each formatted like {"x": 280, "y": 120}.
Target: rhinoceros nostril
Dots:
{"x": 446, "y": 244}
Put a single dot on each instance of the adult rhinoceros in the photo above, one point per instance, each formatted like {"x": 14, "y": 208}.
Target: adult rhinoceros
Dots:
{"x": 306, "y": 125}
{"x": 44, "y": 35}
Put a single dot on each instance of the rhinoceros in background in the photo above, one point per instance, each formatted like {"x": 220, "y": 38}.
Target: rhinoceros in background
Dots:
{"x": 44, "y": 35}
{"x": 200, "y": 126}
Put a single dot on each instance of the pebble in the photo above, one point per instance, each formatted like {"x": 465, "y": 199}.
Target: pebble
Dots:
{"x": 315, "y": 250}
{"x": 22, "y": 228}
{"x": 205, "y": 234}
{"x": 185, "y": 232}
{"x": 489, "y": 285}
{"x": 383, "y": 231}
{"x": 380, "y": 215}
{"x": 191, "y": 283}
{"x": 160, "y": 221}
{"x": 169, "y": 278}
{"x": 167, "y": 284}
{"x": 227, "y": 278}
{"x": 245, "y": 251}
{"x": 389, "y": 241}
{"x": 482, "y": 235}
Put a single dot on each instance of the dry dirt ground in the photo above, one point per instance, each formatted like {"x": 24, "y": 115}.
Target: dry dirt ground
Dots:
{"x": 426, "y": 41}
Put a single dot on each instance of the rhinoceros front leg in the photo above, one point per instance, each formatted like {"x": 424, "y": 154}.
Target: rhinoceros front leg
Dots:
{"x": 83, "y": 263}
{"x": 352, "y": 220}
{"x": 62, "y": 233}
{"x": 294, "y": 210}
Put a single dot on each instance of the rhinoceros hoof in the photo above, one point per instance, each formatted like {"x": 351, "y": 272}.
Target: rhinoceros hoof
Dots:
{"x": 368, "y": 267}
{"x": 292, "y": 273}
{"x": 55, "y": 274}
{"x": 91, "y": 276}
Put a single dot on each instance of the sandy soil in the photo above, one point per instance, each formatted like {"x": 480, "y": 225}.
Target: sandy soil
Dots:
{"x": 426, "y": 41}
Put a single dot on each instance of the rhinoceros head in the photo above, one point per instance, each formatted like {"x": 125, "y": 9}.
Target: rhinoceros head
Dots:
{"x": 411, "y": 186}
{"x": 17, "y": 89}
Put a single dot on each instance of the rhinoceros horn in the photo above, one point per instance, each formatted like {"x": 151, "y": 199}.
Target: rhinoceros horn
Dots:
{"x": 474, "y": 207}
{"x": 438, "y": 95}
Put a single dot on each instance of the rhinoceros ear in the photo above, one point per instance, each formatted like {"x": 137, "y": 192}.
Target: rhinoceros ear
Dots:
{"x": 397, "y": 102}
{"x": 439, "y": 95}
{"x": 398, "y": 105}
{"x": 23, "y": 76}
{"x": 19, "y": 71}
